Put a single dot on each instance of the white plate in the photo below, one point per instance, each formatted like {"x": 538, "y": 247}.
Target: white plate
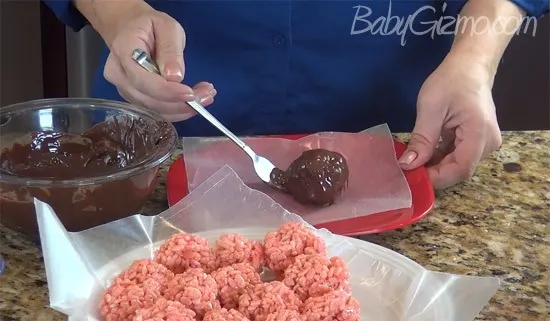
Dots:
{"x": 380, "y": 277}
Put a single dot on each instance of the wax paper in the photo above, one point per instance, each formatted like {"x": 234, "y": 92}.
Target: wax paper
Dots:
{"x": 388, "y": 286}
{"x": 376, "y": 182}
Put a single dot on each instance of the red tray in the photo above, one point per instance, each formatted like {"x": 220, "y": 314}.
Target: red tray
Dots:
{"x": 419, "y": 182}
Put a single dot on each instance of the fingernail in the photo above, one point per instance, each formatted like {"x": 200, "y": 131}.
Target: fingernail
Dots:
{"x": 204, "y": 97}
{"x": 173, "y": 70}
{"x": 213, "y": 92}
{"x": 188, "y": 97}
{"x": 408, "y": 158}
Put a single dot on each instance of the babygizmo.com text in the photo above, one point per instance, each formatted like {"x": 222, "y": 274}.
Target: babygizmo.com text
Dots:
{"x": 390, "y": 25}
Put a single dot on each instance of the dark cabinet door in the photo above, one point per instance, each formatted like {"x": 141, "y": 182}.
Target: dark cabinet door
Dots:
{"x": 522, "y": 85}
{"x": 20, "y": 52}
{"x": 54, "y": 54}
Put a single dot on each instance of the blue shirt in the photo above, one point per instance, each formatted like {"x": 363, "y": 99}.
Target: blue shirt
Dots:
{"x": 283, "y": 67}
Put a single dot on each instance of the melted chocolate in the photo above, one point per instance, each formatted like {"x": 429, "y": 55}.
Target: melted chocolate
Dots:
{"x": 104, "y": 149}
{"x": 317, "y": 177}
{"x": 101, "y": 150}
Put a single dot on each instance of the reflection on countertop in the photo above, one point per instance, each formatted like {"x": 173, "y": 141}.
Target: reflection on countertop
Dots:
{"x": 498, "y": 224}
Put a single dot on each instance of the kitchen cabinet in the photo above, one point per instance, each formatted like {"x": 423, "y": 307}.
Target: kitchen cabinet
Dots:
{"x": 20, "y": 52}
{"x": 54, "y": 52}
{"x": 522, "y": 86}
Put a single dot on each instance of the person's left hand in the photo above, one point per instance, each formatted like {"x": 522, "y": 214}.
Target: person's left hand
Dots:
{"x": 456, "y": 125}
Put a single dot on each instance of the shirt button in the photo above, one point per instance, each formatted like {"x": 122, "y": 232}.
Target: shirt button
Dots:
{"x": 279, "y": 40}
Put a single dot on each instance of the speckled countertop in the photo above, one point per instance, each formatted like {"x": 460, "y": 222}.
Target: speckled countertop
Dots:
{"x": 497, "y": 224}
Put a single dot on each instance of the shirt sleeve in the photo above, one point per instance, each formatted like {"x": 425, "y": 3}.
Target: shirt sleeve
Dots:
{"x": 534, "y": 8}
{"x": 67, "y": 13}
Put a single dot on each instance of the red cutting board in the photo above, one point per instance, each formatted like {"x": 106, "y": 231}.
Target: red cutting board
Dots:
{"x": 422, "y": 192}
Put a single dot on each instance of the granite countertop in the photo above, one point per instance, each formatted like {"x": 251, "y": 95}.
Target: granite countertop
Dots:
{"x": 497, "y": 224}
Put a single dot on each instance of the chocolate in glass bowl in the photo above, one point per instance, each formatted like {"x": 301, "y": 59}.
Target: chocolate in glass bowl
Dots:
{"x": 317, "y": 177}
{"x": 93, "y": 161}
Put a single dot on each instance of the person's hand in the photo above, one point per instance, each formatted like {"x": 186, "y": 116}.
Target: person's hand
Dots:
{"x": 164, "y": 39}
{"x": 456, "y": 125}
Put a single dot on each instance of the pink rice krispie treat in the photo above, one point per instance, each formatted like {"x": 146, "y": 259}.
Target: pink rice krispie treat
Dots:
{"x": 224, "y": 315}
{"x": 351, "y": 312}
{"x": 260, "y": 300}
{"x": 142, "y": 270}
{"x": 231, "y": 280}
{"x": 288, "y": 241}
{"x": 314, "y": 274}
{"x": 165, "y": 310}
{"x": 120, "y": 302}
{"x": 194, "y": 289}
{"x": 235, "y": 248}
{"x": 333, "y": 305}
{"x": 183, "y": 251}
{"x": 284, "y": 315}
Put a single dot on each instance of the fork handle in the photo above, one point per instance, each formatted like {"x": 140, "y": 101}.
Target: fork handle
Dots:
{"x": 143, "y": 59}
{"x": 214, "y": 121}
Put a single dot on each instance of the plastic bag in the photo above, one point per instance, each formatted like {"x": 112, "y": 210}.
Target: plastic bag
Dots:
{"x": 376, "y": 182}
{"x": 388, "y": 286}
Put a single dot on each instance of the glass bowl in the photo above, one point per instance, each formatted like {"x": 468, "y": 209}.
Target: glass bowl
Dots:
{"x": 86, "y": 201}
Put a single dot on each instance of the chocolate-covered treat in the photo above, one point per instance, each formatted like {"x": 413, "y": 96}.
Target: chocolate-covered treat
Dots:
{"x": 317, "y": 177}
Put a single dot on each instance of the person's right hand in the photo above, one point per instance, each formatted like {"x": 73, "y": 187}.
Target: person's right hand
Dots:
{"x": 164, "y": 39}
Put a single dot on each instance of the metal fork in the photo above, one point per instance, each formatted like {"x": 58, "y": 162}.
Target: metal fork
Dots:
{"x": 262, "y": 165}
